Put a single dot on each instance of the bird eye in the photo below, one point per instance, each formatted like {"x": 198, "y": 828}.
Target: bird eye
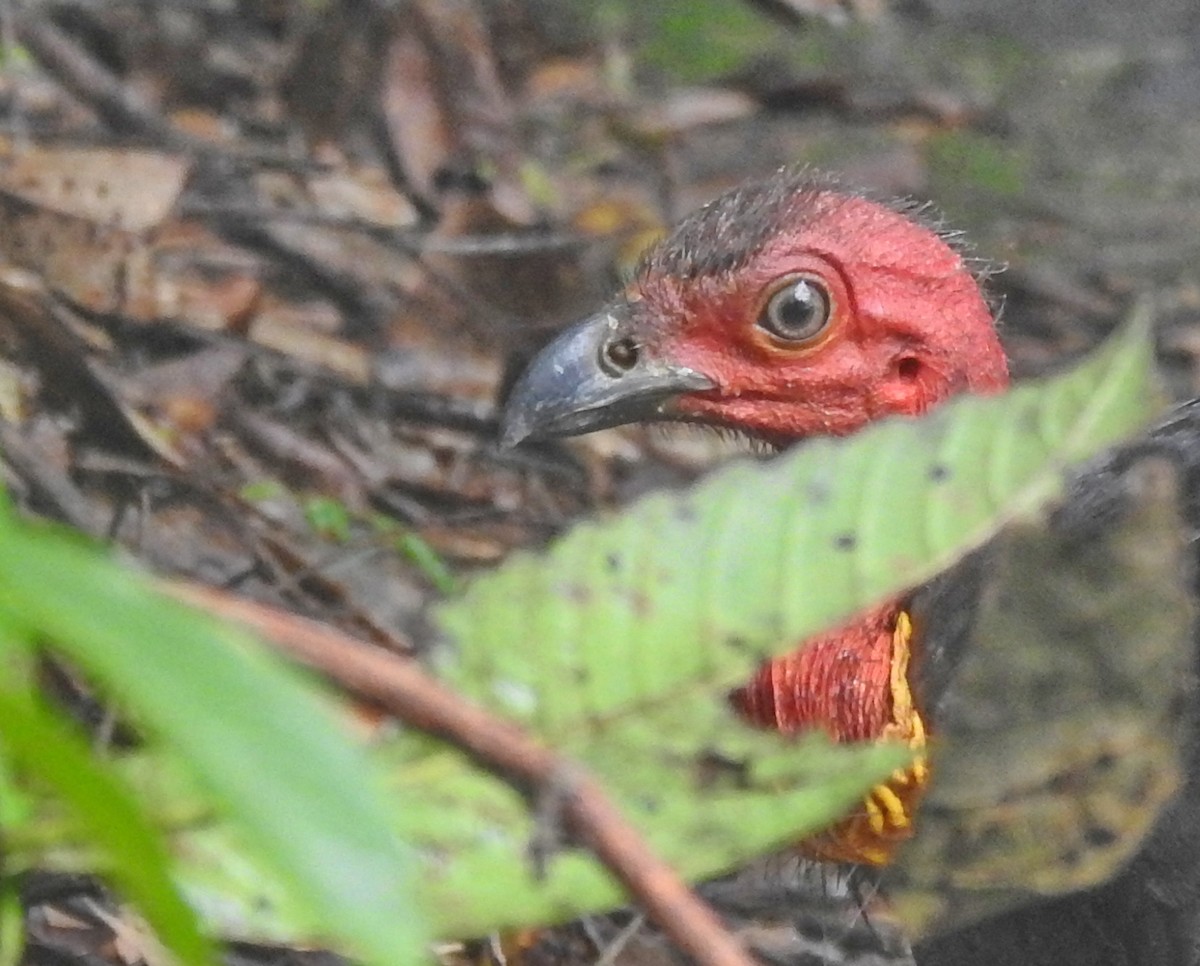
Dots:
{"x": 797, "y": 312}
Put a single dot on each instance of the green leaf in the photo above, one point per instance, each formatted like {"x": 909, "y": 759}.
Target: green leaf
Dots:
{"x": 39, "y": 744}
{"x": 707, "y": 794}
{"x": 12, "y": 924}
{"x": 683, "y": 593}
{"x": 250, "y": 731}
{"x": 427, "y": 560}
{"x": 473, "y": 832}
{"x": 328, "y": 517}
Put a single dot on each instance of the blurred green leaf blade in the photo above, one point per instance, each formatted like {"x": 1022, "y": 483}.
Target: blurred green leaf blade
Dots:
{"x": 39, "y": 743}
{"x": 252, "y": 733}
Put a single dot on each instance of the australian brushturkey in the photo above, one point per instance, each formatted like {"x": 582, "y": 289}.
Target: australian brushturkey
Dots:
{"x": 789, "y": 308}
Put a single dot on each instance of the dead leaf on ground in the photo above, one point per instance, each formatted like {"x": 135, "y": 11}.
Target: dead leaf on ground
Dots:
{"x": 121, "y": 188}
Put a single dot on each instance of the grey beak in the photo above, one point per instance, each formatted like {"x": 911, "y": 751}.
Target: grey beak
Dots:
{"x": 591, "y": 377}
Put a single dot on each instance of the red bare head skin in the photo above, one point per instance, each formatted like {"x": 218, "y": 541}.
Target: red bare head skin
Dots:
{"x": 907, "y": 324}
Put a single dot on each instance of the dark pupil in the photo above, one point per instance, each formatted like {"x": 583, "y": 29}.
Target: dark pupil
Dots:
{"x": 794, "y": 308}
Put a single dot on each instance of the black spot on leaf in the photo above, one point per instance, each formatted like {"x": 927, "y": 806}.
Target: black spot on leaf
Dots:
{"x": 640, "y": 604}
{"x": 651, "y": 804}
{"x": 1098, "y": 836}
{"x": 713, "y": 770}
{"x": 579, "y": 594}
{"x": 845, "y": 542}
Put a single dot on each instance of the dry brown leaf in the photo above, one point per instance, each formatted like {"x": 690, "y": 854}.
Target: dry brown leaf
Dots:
{"x": 117, "y": 187}
{"x": 363, "y": 194}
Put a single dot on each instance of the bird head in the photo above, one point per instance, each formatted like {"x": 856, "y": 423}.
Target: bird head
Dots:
{"x": 784, "y": 309}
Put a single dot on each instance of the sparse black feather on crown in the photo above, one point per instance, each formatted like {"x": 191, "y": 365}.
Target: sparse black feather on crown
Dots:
{"x": 723, "y": 235}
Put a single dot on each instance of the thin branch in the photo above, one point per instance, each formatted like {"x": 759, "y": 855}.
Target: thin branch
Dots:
{"x": 398, "y": 684}
{"x": 121, "y": 109}
{"x": 89, "y": 80}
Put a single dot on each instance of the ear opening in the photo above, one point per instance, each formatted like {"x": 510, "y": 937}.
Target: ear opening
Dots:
{"x": 909, "y": 368}
{"x": 911, "y": 386}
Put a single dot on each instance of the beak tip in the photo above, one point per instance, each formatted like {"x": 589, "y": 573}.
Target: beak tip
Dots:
{"x": 566, "y": 390}
{"x": 519, "y": 417}
{"x": 512, "y": 432}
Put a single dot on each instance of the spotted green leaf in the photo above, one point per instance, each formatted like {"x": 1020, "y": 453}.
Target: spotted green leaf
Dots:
{"x": 683, "y": 593}
{"x": 253, "y": 735}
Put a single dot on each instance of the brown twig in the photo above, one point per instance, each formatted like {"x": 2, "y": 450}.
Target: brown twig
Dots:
{"x": 399, "y": 684}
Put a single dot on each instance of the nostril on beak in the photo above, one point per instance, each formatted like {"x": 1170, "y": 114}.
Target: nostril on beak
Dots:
{"x": 618, "y": 356}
